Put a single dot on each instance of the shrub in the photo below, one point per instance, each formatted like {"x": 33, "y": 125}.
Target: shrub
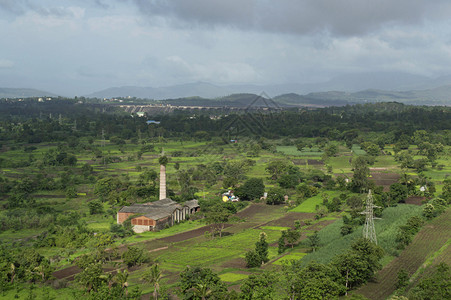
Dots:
{"x": 252, "y": 259}
{"x": 134, "y": 256}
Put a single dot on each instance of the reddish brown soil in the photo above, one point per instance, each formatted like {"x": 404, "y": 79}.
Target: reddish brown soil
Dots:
{"x": 189, "y": 234}
{"x": 235, "y": 263}
{"x": 320, "y": 225}
{"x": 253, "y": 209}
{"x": 415, "y": 200}
{"x": 67, "y": 273}
{"x": 315, "y": 162}
{"x": 289, "y": 218}
{"x": 384, "y": 179}
{"x": 299, "y": 162}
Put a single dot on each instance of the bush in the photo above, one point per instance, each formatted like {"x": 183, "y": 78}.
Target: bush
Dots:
{"x": 95, "y": 207}
{"x": 134, "y": 256}
{"x": 252, "y": 259}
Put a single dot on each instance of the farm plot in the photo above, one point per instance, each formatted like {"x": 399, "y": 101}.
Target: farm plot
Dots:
{"x": 289, "y": 219}
{"x": 384, "y": 179}
{"x": 332, "y": 243}
{"x": 430, "y": 239}
{"x": 309, "y": 205}
{"x": 288, "y": 257}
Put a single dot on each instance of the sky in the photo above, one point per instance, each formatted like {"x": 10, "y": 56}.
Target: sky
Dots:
{"x": 76, "y": 47}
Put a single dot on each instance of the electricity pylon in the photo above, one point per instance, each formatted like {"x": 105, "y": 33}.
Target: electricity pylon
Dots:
{"x": 369, "y": 231}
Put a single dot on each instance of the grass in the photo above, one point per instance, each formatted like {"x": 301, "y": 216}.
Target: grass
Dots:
{"x": 333, "y": 243}
{"x": 357, "y": 150}
{"x": 309, "y": 205}
{"x": 233, "y": 277}
{"x": 292, "y": 150}
{"x": 291, "y": 256}
{"x": 198, "y": 256}
{"x": 279, "y": 228}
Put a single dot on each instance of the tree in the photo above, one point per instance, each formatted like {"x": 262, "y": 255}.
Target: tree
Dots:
{"x": 134, "y": 256}
{"x": 331, "y": 150}
{"x": 252, "y": 189}
{"x": 315, "y": 281}
{"x": 261, "y": 248}
{"x": 276, "y": 168}
{"x": 201, "y": 283}
{"x": 105, "y": 186}
{"x": 258, "y": 286}
{"x": 429, "y": 211}
{"x": 398, "y": 192}
{"x": 252, "y": 259}
{"x": 217, "y": 217}
{"x": 300, "y": 146}
{"x": 288, "y": 181}
{"x": 275, "y": 196}
{"x": 153, "y": 277}
{"x": 403, "y": 279}
{"x": 360, "y": 180}
{"x": 163, "y": 160}
{"x": 446, "y": 191}
{"x": 288, "y": 237}
{"x": 95, "y": 207}
{"x": 314, "y": 241}
{"x": 435, "y": 286}
{"x": 91, "y": 277}
{"x": 254, "y": 150}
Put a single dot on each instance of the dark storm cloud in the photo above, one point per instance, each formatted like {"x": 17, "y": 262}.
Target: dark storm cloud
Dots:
{"x": 345, "y": 17}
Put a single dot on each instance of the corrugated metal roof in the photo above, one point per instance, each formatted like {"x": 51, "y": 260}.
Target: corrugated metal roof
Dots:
{"x": 192, "y": 203}
{"x": 159, "y": 209}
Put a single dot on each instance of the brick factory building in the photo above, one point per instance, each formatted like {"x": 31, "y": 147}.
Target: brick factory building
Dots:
{"x": 154, "y": 216}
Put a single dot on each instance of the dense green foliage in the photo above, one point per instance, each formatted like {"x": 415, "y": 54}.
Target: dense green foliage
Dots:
{"x": 69, "y": 166}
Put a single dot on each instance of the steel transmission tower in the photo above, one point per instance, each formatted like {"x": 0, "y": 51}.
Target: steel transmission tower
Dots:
{"x": 369, "y": 231}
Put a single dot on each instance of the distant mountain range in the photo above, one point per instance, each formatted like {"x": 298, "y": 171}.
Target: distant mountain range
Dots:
{"x": 353, "y": 88}
{"x": 387, "y": 81}
{"x": 23, "y": 93}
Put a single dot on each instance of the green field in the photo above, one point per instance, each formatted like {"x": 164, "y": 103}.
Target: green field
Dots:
{"x": 201, "y": 169}
{"x": 309, "y": 205}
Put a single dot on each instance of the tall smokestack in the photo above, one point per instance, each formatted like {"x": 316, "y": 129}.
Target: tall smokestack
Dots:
{"x": 162, "y": 182}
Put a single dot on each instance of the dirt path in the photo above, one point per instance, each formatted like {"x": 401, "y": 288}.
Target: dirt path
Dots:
{"x": 431, "y": 238}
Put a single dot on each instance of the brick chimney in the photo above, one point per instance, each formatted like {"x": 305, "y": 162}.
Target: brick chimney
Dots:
{"x": 162, "y": 182}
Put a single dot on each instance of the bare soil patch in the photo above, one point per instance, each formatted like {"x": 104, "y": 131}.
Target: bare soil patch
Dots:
{"x": 253, "y": 209}
{"x": 384, "y": 179}
{"x": 320, "y": 225}
{"x": 299, "y": 162}
{"x": 315, "y": 162}
{"x": 189, "y": 234}
{"x": 67, "y": 273}
{"x": 415, "y": 200}
{"x": 289, "y": 218}
{"x": 235, "y": 263}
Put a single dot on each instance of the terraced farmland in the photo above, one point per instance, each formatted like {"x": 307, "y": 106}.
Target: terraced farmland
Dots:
{"x": 428, "y": 241}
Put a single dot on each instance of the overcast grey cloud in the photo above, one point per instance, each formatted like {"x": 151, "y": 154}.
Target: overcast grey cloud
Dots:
{"x": 343, "y": 17}
{"x": 75, "y": 47}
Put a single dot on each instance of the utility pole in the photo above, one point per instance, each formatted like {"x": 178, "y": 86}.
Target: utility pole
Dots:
{"x": 369, "y": 232}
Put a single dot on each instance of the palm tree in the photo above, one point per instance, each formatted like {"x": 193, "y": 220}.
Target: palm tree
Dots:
{"x": 202, "y": 290}
{"x": 153, "y": 276}
{"x": 121, "y": 279}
